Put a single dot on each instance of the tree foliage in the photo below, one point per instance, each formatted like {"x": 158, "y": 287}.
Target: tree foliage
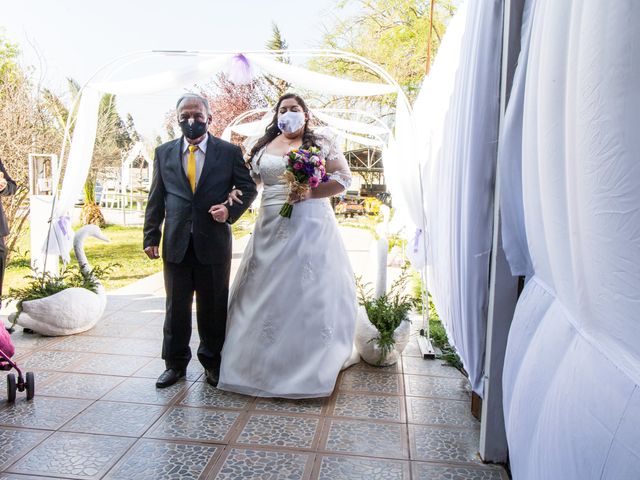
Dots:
{"x": 393, "y": 34}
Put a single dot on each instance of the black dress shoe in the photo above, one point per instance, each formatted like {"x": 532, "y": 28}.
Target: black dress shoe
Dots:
{"x": 169, "y": 377}
{"x": 212, "y": 376}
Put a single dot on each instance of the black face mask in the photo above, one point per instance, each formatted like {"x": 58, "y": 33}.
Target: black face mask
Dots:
{"x": 193, "y": 131}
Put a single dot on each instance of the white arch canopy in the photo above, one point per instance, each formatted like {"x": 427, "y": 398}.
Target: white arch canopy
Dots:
{"x": 202, "y": 65}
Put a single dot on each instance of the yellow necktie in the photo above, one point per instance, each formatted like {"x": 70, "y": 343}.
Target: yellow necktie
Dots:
{"x": 191, "y": 166}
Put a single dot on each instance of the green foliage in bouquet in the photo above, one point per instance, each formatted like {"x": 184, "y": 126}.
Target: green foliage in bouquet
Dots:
{"x": 387, "y": 311}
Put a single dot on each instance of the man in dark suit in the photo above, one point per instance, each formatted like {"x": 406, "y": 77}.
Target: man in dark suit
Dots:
{"x": 7, "y": 187}
{"x": 192, "y": 178}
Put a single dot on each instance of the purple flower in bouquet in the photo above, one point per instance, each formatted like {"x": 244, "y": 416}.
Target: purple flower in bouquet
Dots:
{"x": 305, "y": 170}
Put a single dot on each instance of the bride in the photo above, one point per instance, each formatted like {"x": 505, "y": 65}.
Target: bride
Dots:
{"x": 292, "y": 306}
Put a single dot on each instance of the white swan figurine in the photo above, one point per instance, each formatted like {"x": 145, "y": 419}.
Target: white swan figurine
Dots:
{"x": 72, "y": 310}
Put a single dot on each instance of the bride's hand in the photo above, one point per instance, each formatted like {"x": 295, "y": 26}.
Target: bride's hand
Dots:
{"x": 293, "y": 198}
{"x": 234, "y": 196}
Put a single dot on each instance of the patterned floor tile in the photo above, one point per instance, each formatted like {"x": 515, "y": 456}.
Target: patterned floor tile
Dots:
{"x": 363, "y": 366}
{"x": 115, "y": 418}
{"x": 141, "y": 346}
{"x": 262, "y": 464}
{"x": 15, "y": 442}
{"x": 50, "y": 360}
{"x": 72, "y": 454}
{"x": 437, "y": 444}
{"x": 79, "y": 385}
{"x": 442, "y": 387}
{"x": 143, "y": 390}
{"x": 420, "y": 366}
{"x": 78, "y": 343}
{"x": 185, "y": 423}
{"x": 279, "y": 430}
{"x": 363, "y": 381}
{"x": 11, "y": 476}
{"x": 412, "y": 349}
{"x": 110, "y": 330}
{"x": 104, "y": 364}
{"x": 164, "y": 460}
{"x": 377, "y": 407}
{"x": 42, "y": 412}
{"x": 202, "y": 394}
{"x": 312, "y": 406}
{"x": 437, "y": 411}
{"x": 339, "y": 467}
{"x": 366, "y": 438}
{"x": 31, "y": 341}
{"x": 427, "y": 471}
{"x": 155, "y": 367}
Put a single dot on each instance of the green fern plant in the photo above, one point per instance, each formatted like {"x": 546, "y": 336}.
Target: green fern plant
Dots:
{"x": 44, "y": 284}
{"x": 387, "y": 311}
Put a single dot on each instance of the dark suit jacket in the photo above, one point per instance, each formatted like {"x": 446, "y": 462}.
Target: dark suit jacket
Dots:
{"x": 9, "y": 190}
{"x": 186, "y": 213}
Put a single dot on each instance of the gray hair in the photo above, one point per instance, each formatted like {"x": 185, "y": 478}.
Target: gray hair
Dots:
{"x": 194, "y": 96}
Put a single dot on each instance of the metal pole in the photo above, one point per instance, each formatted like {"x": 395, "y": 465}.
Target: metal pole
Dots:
{"x": 430, "y": 37}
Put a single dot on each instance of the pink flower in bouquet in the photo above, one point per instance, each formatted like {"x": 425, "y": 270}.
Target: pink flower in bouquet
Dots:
{"x": 305, "y": 170}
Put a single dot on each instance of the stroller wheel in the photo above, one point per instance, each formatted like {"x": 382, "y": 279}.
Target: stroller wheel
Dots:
{"x": 31, "y": 385}
{"x": 11, "y": 388}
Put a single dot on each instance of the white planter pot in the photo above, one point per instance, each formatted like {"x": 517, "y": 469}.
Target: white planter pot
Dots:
{"x": 369, "y": 350}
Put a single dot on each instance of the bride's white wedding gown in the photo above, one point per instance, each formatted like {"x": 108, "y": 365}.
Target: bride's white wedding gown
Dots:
{"x": 292, "y": 306}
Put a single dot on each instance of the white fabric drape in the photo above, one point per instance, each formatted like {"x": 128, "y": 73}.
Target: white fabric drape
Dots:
{"x": 459, "y": 185}
{"x": 572, "y": 366}
{"x": 316, "y": 81}
{"x": 83, "y": 139}
{"x": 514, "y": 236}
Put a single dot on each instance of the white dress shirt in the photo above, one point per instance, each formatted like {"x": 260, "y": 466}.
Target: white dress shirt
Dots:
{"x": 200, "y": 154}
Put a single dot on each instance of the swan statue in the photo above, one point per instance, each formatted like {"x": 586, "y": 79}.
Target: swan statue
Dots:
{"x": 72, "y": 310}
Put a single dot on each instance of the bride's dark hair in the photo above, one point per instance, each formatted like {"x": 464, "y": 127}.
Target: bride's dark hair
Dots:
{"x": 272, "y": 131}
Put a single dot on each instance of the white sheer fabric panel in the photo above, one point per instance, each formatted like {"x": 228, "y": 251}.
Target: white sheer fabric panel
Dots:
{"x": 318, "y": 82}
{"x": 83, "y": 140}
{"x": 514, "y": 235}
{"x": 203, "y": 69}
{"x": 572, "y": 366}
{"x": 459, "y": 188}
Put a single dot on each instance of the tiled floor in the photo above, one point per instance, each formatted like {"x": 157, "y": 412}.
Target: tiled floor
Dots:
{"x": 97, "y": 414}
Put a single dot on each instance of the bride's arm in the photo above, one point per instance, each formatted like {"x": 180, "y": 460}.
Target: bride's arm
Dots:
{"x": 338, "y": 171}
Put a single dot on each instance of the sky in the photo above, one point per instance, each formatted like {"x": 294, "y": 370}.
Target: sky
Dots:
{"x": 74, "y": 38}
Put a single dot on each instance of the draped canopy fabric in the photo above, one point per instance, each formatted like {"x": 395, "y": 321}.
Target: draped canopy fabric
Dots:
{"x": 81, "y": 150}
{"x": 459, "y": 178}
{"x": 572, "y": 366}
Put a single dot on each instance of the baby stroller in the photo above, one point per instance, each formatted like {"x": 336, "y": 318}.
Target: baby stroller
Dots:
{"x": 22, "y": 383}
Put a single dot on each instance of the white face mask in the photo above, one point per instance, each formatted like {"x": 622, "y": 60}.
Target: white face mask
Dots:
{"x": 290, "y": 122}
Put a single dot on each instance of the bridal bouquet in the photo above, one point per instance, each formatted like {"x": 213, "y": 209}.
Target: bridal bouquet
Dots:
{"x": 305, "y": 170}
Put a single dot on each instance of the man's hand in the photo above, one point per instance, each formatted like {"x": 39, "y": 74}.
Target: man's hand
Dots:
{"x": 3, "y": 182}
{"x": 219, "y": 213}
{"x": 152, "y": 252}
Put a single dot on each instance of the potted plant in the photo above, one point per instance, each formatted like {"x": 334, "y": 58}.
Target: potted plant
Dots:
{"x": 383, "y": 326}
{"x": 64, "y": 304}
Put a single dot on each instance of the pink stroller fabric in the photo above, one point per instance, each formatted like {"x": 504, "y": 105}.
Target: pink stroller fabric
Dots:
{"x": 5, "y": 342}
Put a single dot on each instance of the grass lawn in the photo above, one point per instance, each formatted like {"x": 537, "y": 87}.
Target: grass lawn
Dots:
{"x": 124, "y": 252}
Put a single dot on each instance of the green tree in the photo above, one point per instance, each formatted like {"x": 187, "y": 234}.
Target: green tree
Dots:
{"x": 276, "y": 86}
{"x": 393, "y": 34}
{"x": 25, "y": 127}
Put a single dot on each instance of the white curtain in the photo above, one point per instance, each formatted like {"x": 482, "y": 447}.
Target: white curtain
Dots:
{"x": 572, "y": 366}
{"x": 459, "y": 183}
{"x": 514, "y": 235}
